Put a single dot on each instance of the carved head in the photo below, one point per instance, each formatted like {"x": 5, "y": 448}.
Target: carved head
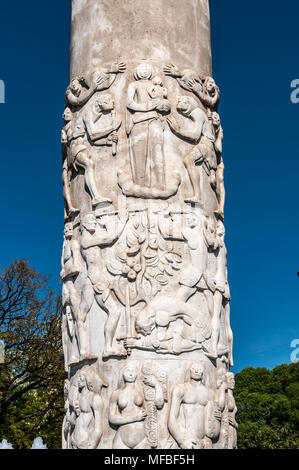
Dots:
{"x": 67, "y": 115}
{"x": 85, "y": 381}
{"x": 216, "y": 120}
{"x": 105, "y": 102}
{"x": 75, "y": 86}
{"x": 230, "y": 380}
{"x": 210, "y": 85}
{"x": 220, "y": 229}
{"x": 130, "y": 373}
{"x": 186, "y": 104}
{"x": 192, "y": 220}
{"x": 89, "y": 222}
{"x": 157, "y": 81}
{"x": 144, "y": 72}
{"x": 68, "y": 230}
{"x": 145, "y": 321}
{"x": 197, "y": 372}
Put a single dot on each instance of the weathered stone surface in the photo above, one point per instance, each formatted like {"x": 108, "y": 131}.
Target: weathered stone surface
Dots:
{"x": 146, "y": 327}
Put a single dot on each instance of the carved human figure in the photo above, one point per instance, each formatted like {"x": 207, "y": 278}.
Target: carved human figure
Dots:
{"x": 89, "y": 409}
{"x": 218, "y": 270}
{"x": 102, "y": 122}
{"x": 66, "y": 135}
{"x": 232, "y": 410}
{"x": 187, "y": 419}
{"x": 127, "y": 412}
{"x": 169, "y": 325}
{"x": 199, "y": 232}
{"x": 203, "y": 153}
{"x": 220, "y": 189}
{"x": 145, "y": 129}
{"x": 203, "y": 87}
{"x": 94, "y": 238}
{"x": 79, "y": 154}
{"x": 66, "y": 425}
{"x": 70, "y": 268}
{"x": 83, "y": 87}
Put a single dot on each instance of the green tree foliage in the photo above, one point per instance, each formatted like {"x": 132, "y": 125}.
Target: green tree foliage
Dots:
{"x": 268, "y": 407}
{"x": 31, "y": 379}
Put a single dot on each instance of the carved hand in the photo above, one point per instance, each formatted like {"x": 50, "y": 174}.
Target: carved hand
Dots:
{"x": 195, "y": 86}
{"x": 172, "y": 70}
{"x": 173, "y": 124}
{"x": 98, "y": 81}
{"x": 118, "y": 67}
{"x": 77, "y": 408}
{"x": 153, "y": 104}
{"x": 140, "y": 416}
{"x": 218, "y": 414}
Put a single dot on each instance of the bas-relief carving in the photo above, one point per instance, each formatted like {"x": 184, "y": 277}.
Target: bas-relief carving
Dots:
{"x": 84, "y": 418}
{"x": 154, "y": 263}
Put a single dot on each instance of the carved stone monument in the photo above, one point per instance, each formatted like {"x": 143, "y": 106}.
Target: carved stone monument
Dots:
{"x": 146, "y": 322}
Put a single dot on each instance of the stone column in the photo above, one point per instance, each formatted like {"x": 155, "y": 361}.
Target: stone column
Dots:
{"x": 146, "y": 327}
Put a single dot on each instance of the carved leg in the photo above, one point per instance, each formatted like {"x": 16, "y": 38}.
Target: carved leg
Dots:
{"x": 113, "y": 316}
{"x": 70, "y": 209}
{"x": 194, "y": 174}
{"x": 80, "y": 326}
{"x": 215, "y": 323}
{"x": 157, "y": 155}
{"x": 229, "y": 333}
{"x": 85, "y": 161}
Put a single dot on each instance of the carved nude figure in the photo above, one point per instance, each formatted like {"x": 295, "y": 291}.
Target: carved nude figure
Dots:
{"x": 232, "y": 410}
{"x": 220, "y": 189}
{"x": 93, "y": 240}
{"x": 102, "y": 122}
{"x": 127, "y": 412}
{"x": 89, "y": 413}
{"x": 70, "y": 268}
{"x": 79, "y": 154}
{"x": 66, "y": 135}
{"x": 219, "y": 272}
{"x": 82, "y": 88}
{"x": 188, "y": 418}
{"x": 203, "y": 153}
{"x": 145, "y": 129}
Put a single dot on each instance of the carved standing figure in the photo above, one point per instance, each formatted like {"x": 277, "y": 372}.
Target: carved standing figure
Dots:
{"x": 66, "y": 136}
{"x": 93, "y": 240}
{"x": 102, "y": 122}
{"x": 219, "y": 272}
{"x": 145, "y": 130}
{"x": 232, "y": 410}
{"x": 89, "y": 412}
{"x": 220, "y": 189}
{"x": 79, "y": 154}
{"x": 203, "y": 153}
{"x": 187, "y": 420}
{"x": 127, "y": 412}
{"x": 70, "y": 268}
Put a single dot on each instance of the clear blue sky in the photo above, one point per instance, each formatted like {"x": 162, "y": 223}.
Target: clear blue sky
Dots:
{"x": 255, "y": 57}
